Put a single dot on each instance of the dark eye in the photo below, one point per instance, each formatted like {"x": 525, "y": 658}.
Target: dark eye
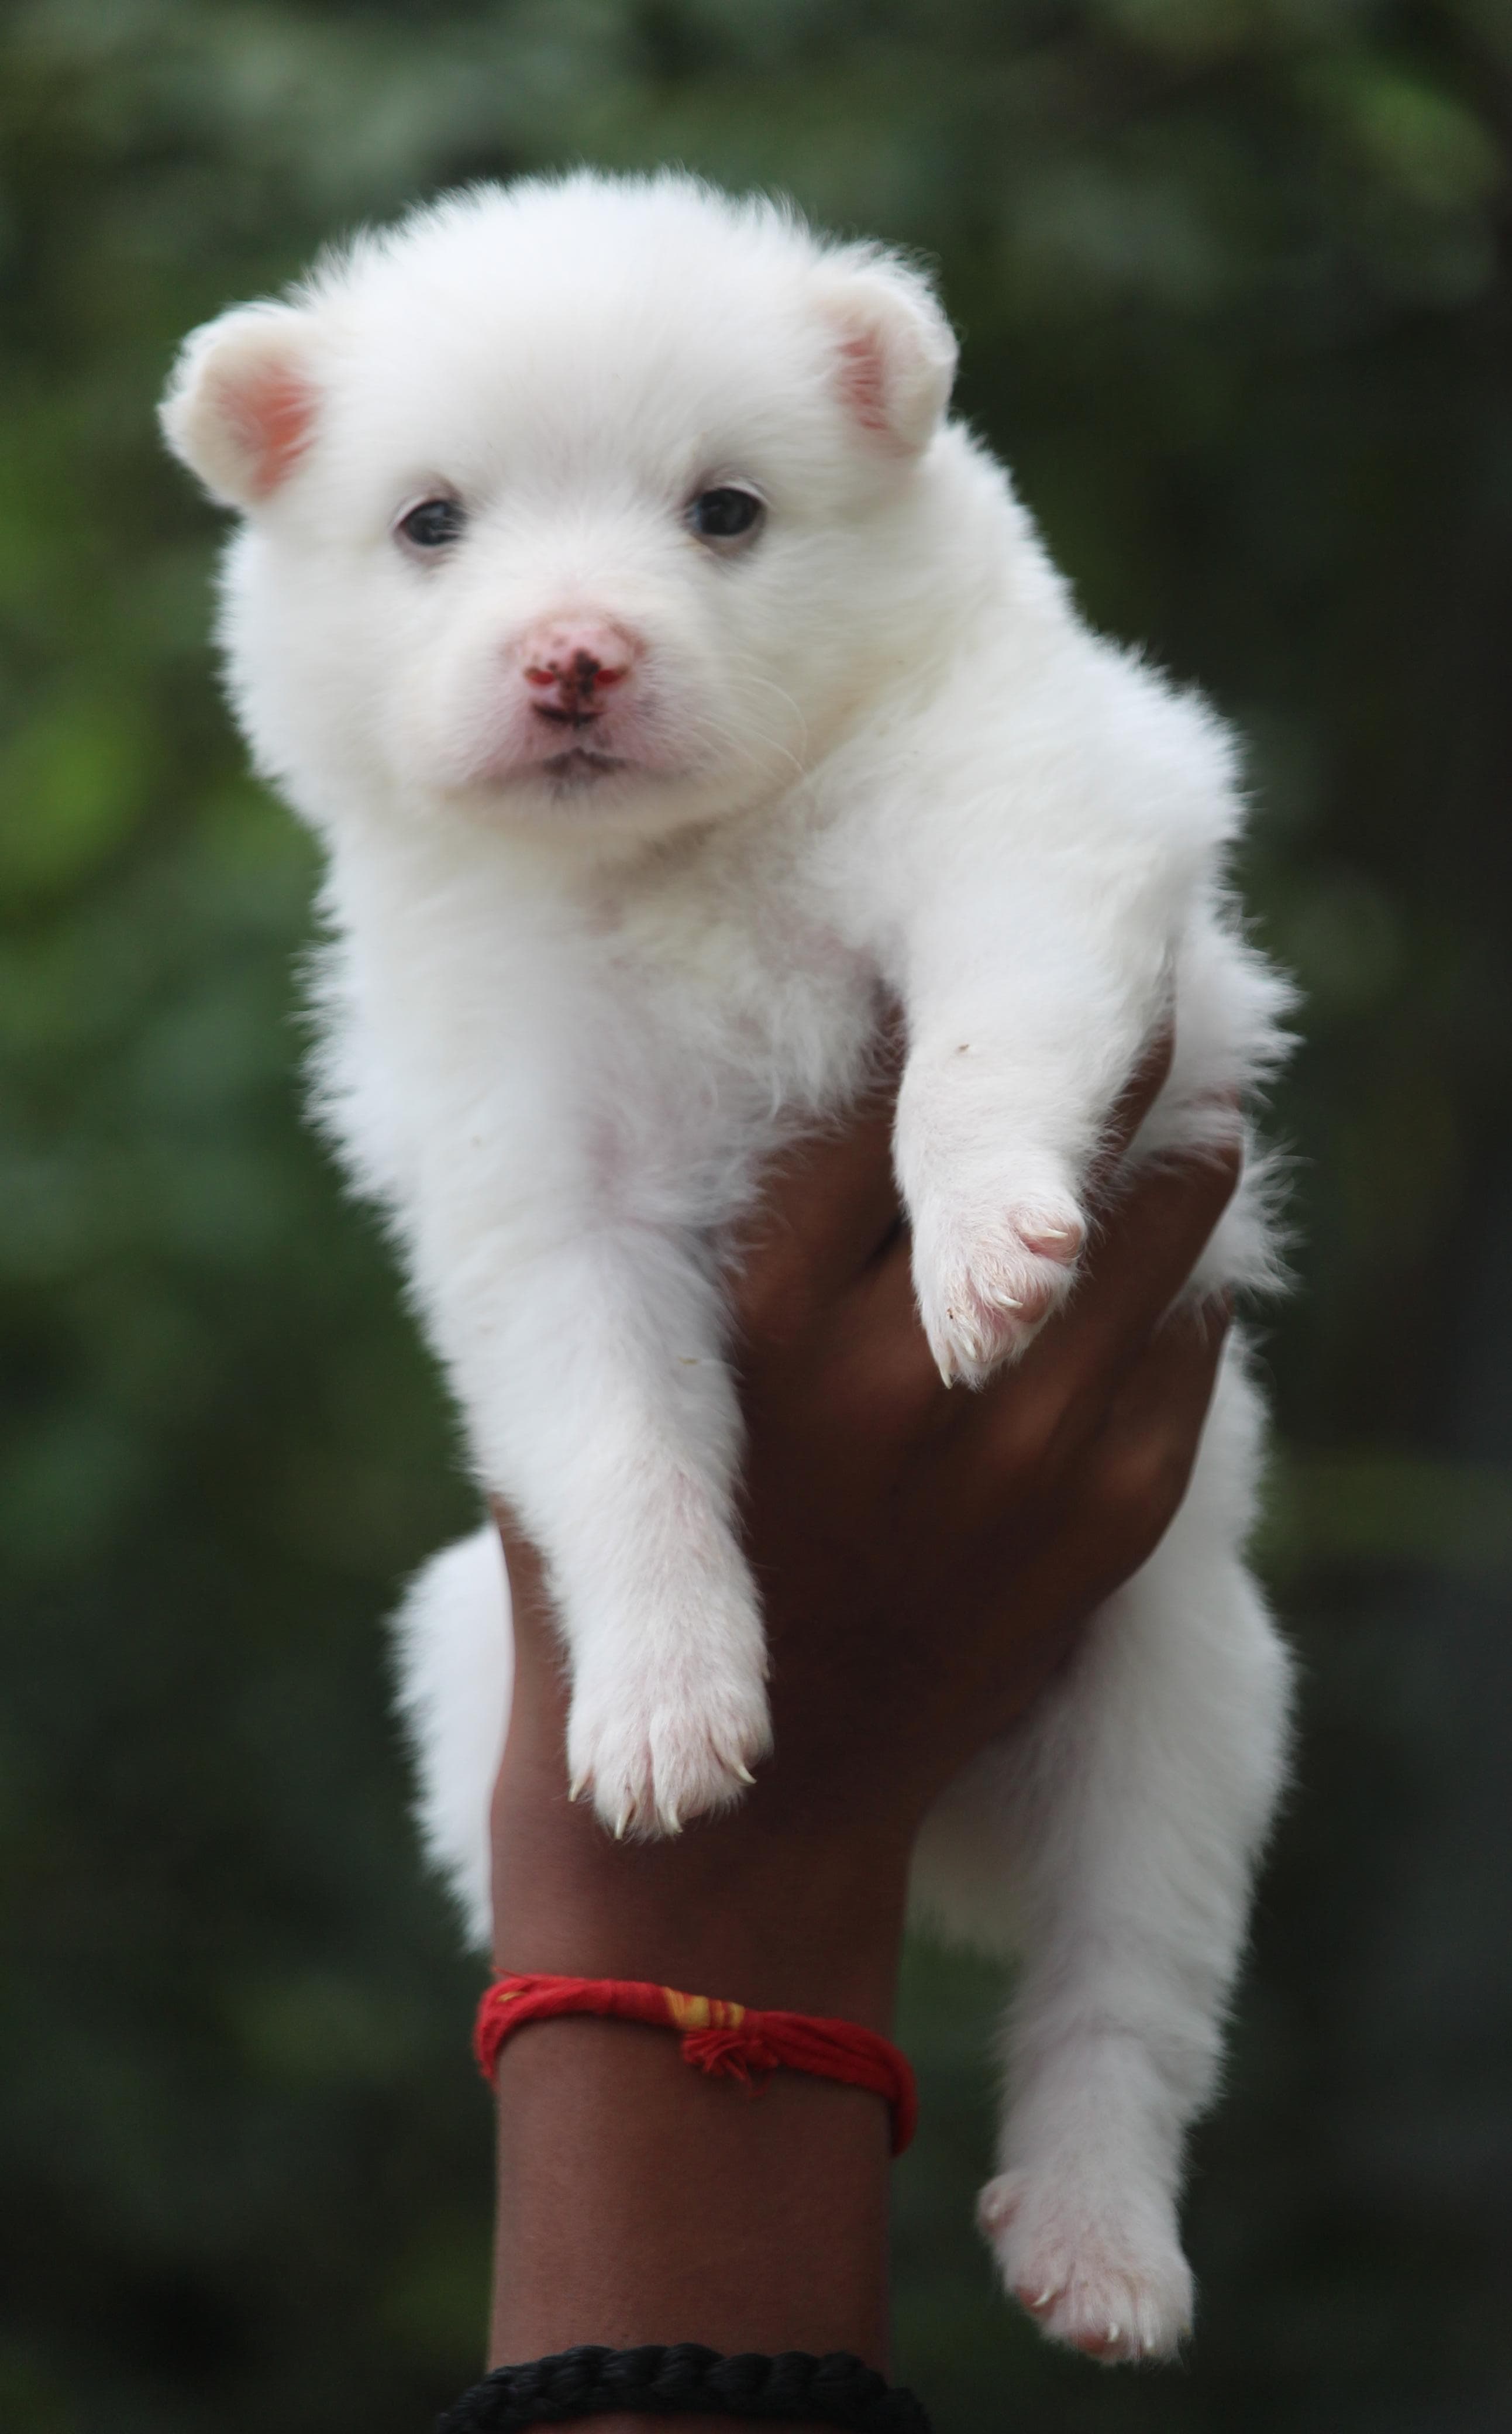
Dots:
{"x": 724, "y": 515}
{"x": 433, "y": 523}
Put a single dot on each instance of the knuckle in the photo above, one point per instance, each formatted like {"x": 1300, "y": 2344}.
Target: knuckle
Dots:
{"x": 1027, "y": 1432}
{"x": 765, "y": 1305}
{"x": 1217, "y": 1155}
{"x": 1141, "y": 1480}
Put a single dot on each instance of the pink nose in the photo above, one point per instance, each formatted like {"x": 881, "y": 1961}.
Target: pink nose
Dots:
{"x": 573, "y": 663}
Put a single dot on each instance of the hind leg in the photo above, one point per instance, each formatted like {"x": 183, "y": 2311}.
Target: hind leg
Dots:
{"x": 453, "y": 1656}
{"x": 1122, "y": 1825}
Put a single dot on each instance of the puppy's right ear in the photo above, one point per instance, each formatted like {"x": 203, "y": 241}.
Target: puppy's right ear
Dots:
{"x": 240, "y": 409}
{"x": 896, "y": 355}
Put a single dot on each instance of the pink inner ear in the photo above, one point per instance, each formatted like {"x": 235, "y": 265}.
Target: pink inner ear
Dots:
{"x": 272, "y": 412}
{"x": 863, "y": 380}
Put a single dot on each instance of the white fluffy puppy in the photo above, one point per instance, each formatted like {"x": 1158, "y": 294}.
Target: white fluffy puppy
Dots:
{"x": 669, "y": 681}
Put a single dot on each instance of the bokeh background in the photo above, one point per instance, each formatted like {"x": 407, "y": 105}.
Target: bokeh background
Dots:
{"x": 1234, "y": 281}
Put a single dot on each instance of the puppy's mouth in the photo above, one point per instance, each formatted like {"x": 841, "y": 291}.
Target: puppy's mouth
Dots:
{"x": 581, "y": 765}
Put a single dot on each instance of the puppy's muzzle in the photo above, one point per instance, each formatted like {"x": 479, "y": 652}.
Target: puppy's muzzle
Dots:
{"x": 574, "y": 668}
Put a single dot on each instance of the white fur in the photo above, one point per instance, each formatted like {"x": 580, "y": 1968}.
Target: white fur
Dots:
{"x": 585, "y": 977}
{"x": 455, "y": 1662}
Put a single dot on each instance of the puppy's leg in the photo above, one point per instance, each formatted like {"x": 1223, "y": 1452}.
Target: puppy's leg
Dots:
{"x": 1010, "y": 1073}
{"x": 1142, "y": 1792}
{"x": 598, "y": 1405}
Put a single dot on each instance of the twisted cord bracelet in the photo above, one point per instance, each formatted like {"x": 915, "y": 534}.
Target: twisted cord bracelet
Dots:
{"x": 687, "y": 2380}
{"x": 728, "y": 2040}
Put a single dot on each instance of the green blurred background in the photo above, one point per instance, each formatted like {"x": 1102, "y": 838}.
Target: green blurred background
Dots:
{"x": 1232, "y": 276}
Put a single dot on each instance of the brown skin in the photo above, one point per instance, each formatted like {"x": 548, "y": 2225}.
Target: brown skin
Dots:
{"x": 925, "y": 1560}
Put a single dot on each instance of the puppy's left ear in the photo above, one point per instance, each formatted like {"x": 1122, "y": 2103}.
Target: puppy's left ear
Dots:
{"x": 895, "y": 351}
{"x": 240, "y": 408}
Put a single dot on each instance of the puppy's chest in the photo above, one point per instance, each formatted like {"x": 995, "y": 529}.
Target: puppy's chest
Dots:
{"x": 733, "y": 1016}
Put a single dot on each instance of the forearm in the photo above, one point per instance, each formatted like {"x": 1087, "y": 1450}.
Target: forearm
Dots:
{"x": 641, "y": 2202}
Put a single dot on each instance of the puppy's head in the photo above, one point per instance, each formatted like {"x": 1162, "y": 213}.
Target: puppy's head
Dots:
{"x": 572, "y": 503}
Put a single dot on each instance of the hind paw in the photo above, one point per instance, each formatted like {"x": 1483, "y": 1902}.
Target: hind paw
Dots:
{"x": 1109, "y": 2281}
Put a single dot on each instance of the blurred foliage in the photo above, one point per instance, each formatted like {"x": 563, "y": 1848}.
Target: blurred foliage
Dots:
{"x": 1233, "y": 280}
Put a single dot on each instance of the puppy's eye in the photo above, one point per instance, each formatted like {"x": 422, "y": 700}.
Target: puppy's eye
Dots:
{"x": 433, "y": 523}
{"x": 724, "y": 515}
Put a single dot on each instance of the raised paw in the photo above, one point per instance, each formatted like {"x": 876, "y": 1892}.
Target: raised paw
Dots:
{"x": 664, "y": 1745}
{"x": 1106, "y": 2279}
{"x": 985, "y": 1282}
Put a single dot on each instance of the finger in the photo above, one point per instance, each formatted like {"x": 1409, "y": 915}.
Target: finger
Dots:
{"x": 1150, "y": 1243}
{"x": 829, "y": 1216}
{"x": 1105, "y": 1518}
{"x": 881, "y": 1312}
{"x": 1136, "y": 1099}
{"x": 1145, "y": 1249}
{"x": 829, "y": 1206}
{"x": 1128, "y": 1486}
{"x": 1139, "y": 1465}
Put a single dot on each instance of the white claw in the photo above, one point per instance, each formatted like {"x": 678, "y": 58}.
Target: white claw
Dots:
{"x": 1045, "y": 2298}
{"x": 745, "y": 1774}
{"x": 1113, "y": 2334}
{"x": 578, "y": 1785}
{"x": 967, "y": 1332}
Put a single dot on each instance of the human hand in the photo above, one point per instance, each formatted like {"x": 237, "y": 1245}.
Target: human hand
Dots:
{"x": 925, "y": 1553}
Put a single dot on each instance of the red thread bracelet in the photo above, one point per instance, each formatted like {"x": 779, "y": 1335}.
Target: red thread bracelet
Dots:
{"x": 728, "y": 2040}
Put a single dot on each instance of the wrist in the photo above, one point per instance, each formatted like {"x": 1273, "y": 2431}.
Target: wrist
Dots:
{"x": 762, "y": 1906}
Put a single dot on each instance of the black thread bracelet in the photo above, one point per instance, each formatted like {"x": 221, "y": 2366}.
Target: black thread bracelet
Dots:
{"x": 682, "y": 2381}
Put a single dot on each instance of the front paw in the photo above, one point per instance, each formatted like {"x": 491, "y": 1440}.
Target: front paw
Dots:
{"x": 986, "y": 1278}
{"x": 658, "y": 1745}
{"x": 1099, "y": 2270}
